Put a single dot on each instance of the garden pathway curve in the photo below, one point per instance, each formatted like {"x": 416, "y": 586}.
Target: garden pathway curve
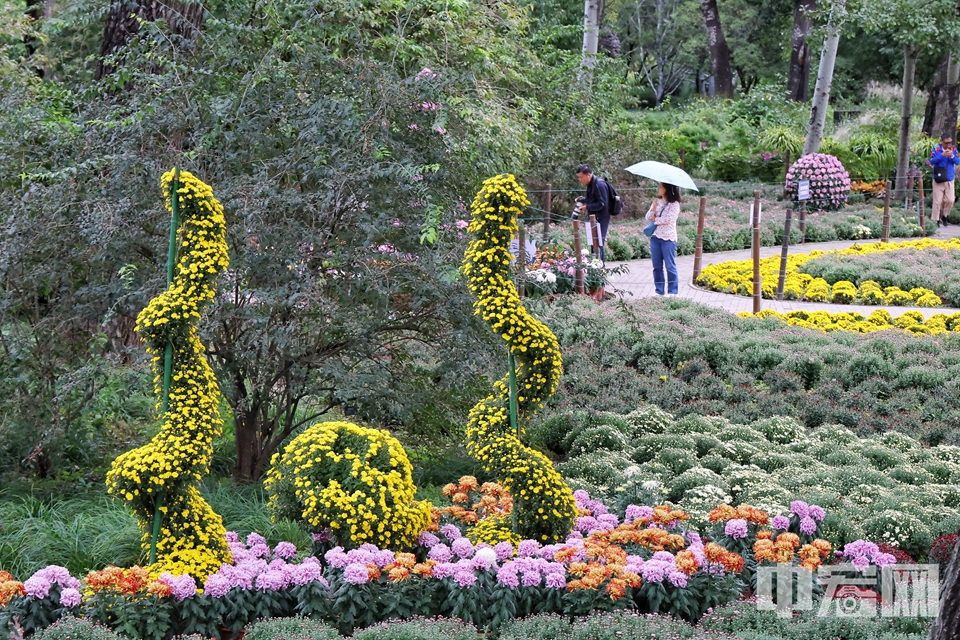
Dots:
{"x": 638, "y": 281}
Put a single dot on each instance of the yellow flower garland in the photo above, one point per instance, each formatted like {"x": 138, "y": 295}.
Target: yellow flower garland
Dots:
{"x": 169, "y": 467}
{"x": 736, "y": 276}
{"x": 544, "y": 506}
{"x": 355, "y": 480}
{"x": 880, "y": 320}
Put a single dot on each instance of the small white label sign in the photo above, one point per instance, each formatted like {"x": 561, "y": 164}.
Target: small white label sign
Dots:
{"x": 803, "y": 190}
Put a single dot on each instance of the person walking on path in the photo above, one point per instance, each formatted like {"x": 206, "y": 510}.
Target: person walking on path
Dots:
{"x": 944, "y": 161}
{"x": 663, "y": 243}
{"x": 596, "y": 201}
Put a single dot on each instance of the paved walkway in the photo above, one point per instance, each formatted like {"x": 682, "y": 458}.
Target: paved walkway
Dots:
{"x": 638, "y": 281}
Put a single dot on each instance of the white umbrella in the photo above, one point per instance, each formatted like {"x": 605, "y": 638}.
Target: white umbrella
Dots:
{"x": 661, "y": 172}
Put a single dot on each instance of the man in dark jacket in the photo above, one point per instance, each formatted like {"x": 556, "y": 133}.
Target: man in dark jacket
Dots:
{"x": 944, "y": 158}
{"x": 596, "y": 201}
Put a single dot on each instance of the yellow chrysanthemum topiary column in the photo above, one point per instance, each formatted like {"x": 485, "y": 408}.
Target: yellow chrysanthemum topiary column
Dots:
{"x": 167, "y": 470}
{"x": 544, "y": 507}
{"x": 356, "y": 481}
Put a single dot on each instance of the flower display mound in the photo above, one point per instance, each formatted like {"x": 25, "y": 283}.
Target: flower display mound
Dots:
{"x": 648, "y": 560}
{"x": 880, "y": 320}
{"x": 829, "y": 181}
{"x": 736, "y": 276}
{"x": 354, "y": 482}
{"x": 889, "y": 488}
{"x": 161, "y": 477}
{"x": 544, "y": 507}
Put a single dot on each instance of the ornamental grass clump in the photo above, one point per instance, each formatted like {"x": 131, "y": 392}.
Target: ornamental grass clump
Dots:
{"x": 829, "y": 181}
{"x": 160, "y": 479}
{"x": 352, "y": 481}
{"x": 544, "y": 507}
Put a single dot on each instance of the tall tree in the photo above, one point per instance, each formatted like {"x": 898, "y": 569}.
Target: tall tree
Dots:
{"x": 943, "y": 97}
{"x": 719, "y": 50}
{"x": 821, "y": 94}
{"x": 914, "y": 27}
{"x": 655, "y": 47}
{"x": 184, "y": 20}
{"x": 798, "y": 77}
{"x": 591, "y": 33}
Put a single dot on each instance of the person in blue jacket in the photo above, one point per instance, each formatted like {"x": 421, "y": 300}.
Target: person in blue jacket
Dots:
{"x": 944, "y": 161}
{"x": 596, "y": 202}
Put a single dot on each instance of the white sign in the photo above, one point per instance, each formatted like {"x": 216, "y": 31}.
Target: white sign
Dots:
{"x": 803, "y": 190}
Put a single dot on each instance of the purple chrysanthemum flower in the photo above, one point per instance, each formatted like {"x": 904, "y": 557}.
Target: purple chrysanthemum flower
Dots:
{"x": 384, "y": 557}
{"x": 336, "y": 558}
{"x": 800, "y": 508}
{"x": 70, "y": 598}
{"x": 736, "y": 528}
{"x": 659, "y": 556}
{"x": 440, "y": 552}
{"x": 656, "y": 570}
{"x": 527, "y": 548}
{"x": 356, "y": 573}
{"x": 444, "y": 570}
{"x": 305, "y": 573}
{"x": 285, "y": 550}
{"x": 361, "y": 555}
{"x": 181, "y": 587}
{"x": 555, "y": 580}
{"x": 465, "y": 578}
{"x": 808, "y": 525}
{"x": 37, "y": 586}
{"x": 254, "y": 539}
{"x": 781, "y": 523}
{"x": 635, "y": 511}
{"x": 531, "y": 578}
{"x": 462, "y": 547}
{"x": 272, "y": 580}
{"x": 884, "y": 560}
{"x": 817, "y": 513}
{"x": 451, "y": 532}
{"x": 586, "y": 523}
{"x": 504, "y": 551}
{"x": 507, "y": 576}
{"x": 860, "y": 563}
{"x": 427, "y": 540}
{"x": 678, "y": 579}
{"x": 217, "y": 586}
{"x": 232, "y": 537}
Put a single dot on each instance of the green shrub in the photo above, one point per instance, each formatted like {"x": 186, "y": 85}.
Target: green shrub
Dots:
{"x": 71, "y": 628}
{"x": 604, "y": 626}
{"x": 694, "y": 477}
{"x": 601, "y": 437}
{"x": 617, "y": 250}
{"x": 729, "y": 166}
{"x": 291, "y": 628}
{"x": 419, "y": 629}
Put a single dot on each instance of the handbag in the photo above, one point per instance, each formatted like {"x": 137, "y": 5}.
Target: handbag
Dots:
{"x": 652, "y": 225}
{"x": 939, "y": 175}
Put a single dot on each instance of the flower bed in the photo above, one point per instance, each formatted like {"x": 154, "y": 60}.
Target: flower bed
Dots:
{"x": 800, "y": 283}
{"x": 935, "y": 267}
{"x": 692, "y": 359}
{"x": 887, "y": 488}
{"x": 880, "y": 320}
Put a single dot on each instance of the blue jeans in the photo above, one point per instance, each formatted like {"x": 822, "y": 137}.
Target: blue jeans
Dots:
{"x": 664, "y": 252}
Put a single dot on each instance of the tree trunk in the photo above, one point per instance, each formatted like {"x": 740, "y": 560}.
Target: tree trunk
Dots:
{"x": 798, "y": 80}
{"x": 943, "y": 118}
{"x": 246, "y": 437}
{"x": 910, "y": 55}
{"x": 947, "y": 624}
{"x": 591, "y": 33}
{"x": 36, "y": 10}
{"x": 123, "y": 24}
{"x": 934, "y": 97}
{"x": 719, "y": 51}
{"x": 821, "y": 94}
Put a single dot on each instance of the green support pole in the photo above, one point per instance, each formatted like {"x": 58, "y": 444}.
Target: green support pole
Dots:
{"x": 513, "y": 395}
{"x": 168, "y": 352}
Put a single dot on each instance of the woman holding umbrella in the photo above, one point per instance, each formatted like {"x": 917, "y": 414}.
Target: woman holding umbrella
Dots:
{"x": 663, "y": 214}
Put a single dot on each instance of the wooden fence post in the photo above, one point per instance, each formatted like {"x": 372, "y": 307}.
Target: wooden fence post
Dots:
{"x": 578, "y": 248}
{"x": 921, "y": 197}
{"x": 885, "y": 234}
{"x": 546, "y": 214}
{"x": 909, "y": 197}
{"x": 786, "y": 168}
{"x": 755, "y": 220}
{"x": 698, "y": 252}
{"x": 803, "y": 222}
{"x": 784, "y": 248}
